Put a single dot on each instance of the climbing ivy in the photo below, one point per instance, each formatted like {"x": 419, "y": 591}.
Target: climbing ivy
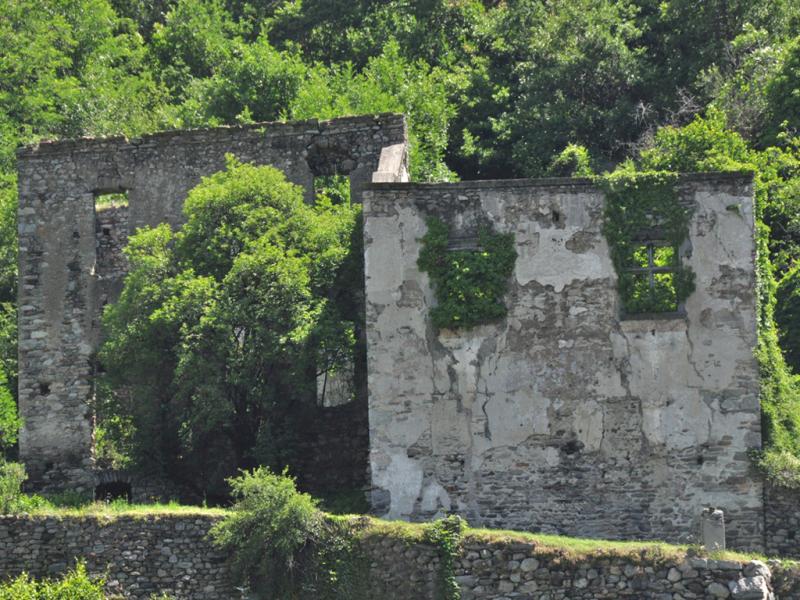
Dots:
{"x": 641, "y": 206}
{"x": 445, "y": 534}
{"x": 469, "y": 284}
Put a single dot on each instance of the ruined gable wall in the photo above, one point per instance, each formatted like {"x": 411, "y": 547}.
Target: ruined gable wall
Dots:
{"x": 561, "y": 417}
{"x": 61, "y": 290}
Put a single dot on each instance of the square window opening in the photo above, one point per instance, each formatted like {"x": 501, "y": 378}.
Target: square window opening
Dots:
{"x": 649, "y": 281}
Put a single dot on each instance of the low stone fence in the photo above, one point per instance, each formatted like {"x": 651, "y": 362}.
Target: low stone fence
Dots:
{"x": 143, "y": 555}
{"x": 782, "y": 521}
{"x": 139, "y": 555}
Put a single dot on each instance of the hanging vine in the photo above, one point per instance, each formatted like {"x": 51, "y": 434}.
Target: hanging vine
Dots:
{"x": 469, "y": 284}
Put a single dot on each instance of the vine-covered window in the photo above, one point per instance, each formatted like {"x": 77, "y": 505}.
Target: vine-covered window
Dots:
{"x": 469, "y": 273}
{"x": 646, "y": 226}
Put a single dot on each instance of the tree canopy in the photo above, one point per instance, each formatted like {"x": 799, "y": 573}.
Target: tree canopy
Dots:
{"x": 225, "y": 322}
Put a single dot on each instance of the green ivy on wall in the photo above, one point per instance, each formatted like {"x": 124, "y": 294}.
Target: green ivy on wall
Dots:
{"x": 469, "y": 284}
{"x": 446, "y": 534}
{"x": 643, "y": 208}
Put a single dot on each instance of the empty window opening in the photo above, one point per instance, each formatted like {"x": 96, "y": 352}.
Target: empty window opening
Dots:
{"x": 648, "y": 284}
{"x": 332, "y": 188}
{"x": 114, "y": 200}
{"x": 113, "y": 490}
{"x": 44, "y": 389}
{"x": 111, "y": 234}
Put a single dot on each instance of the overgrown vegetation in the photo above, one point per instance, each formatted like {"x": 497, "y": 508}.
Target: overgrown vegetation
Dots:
{"x": 469, "y": 284}
{"x": 222, "y": 327}
{"x": 492, "y": 89}
{"x": 270, "y": 526}
{"x": 446, "y": 534}
{"x": 645, "y": 225}
{"x": 76, "y": 584}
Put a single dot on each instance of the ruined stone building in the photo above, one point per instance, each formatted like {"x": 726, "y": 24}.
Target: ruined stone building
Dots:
{"x": 562, "y": 417}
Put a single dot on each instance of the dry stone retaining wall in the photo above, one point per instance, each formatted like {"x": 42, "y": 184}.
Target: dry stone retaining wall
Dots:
{"x": 138, "y": 555}
{"x": 154, "y": 554}
{"x": 782, "y": 521}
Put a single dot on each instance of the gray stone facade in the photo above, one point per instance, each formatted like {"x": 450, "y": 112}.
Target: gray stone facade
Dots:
{"x": 70, "y": 267}
{"x": 563, "y": 417}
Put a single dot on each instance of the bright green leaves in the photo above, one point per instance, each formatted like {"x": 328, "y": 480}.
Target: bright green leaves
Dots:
{"x": 266, "y": 531}
{"x": 389, "y": 83}
{"x": 645, "y": 225}
{"x": 223, "y": 325}
{"x": 469, "y": 284}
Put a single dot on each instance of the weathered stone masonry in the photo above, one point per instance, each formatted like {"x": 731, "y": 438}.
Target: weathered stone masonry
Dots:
{"x": 66, "y": 274}
{"x": 140, "y": 556}
{"x": 562, "y": 417}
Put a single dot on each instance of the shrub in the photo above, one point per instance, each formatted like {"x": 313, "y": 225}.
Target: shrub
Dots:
{"x": 12, "y": 476}
{"x": 75, "y": 585}
{"x": 270, "y": 526}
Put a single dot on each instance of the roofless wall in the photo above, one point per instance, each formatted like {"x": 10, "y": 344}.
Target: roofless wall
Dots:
{"x": 67, "y": 247}
{"x": 565, "y": 416}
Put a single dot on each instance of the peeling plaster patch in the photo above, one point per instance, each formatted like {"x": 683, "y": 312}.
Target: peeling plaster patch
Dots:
{"x": 549, "y": 264}
{"x": 435, "y": 498}
{"x": 589, "y": 425}
{"x": 403, "y": 479}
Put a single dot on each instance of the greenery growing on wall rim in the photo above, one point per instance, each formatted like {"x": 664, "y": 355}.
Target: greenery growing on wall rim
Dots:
{"x": 469, "y": 284}
{"x": 642, "y": 207}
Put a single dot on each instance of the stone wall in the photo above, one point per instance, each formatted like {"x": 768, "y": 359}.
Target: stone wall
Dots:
{"x": 563, "y": 417}
{"x": 145, "y": 555}
{"x": 139, "y": 556}
{"x": 782, "y": 521}
{"x": 62, "y": 282}
{"x": 333, "y": 450}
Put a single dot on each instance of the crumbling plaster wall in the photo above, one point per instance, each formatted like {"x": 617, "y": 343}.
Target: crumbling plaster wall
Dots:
{"x": 561, "y": 417}
{"x": 63, "y": 277}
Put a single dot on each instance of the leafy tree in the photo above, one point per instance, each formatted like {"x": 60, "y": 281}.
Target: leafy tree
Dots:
{"x": 266, "y": 532}
{"x": 389, "y": 83}
{"x": 195, "y": 37}
{"x": 783, "y": 94}
{"x": 574, "y": 78}
{"x": 787, "y": 316}
{"x": 222, "y": 326}
{"x": 254, "y": 82}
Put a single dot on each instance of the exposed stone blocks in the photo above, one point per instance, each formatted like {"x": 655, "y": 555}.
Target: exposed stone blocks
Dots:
{"x": 138, "y": 556}
{"x": 66, "y": 274}
{"x": 562, "y": 417}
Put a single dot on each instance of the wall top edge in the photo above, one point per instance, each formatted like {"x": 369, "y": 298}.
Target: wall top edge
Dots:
{"x": 268, "y": 128}
{"x": 745, "y": 177}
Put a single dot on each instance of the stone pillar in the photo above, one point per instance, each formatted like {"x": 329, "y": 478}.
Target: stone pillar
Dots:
{"x": 712, "y": 525}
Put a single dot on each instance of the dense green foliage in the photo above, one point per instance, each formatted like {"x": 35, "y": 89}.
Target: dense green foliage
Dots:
{"x": 642, "y": 207}
{"x": 492, "y": 89}
{"x": 76, "y": 584}
{"x": 270, "y": 525}
{"x": 222, "y": 326}
{"x": 787, "y": 316}
{"x": 469, "y": 284}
